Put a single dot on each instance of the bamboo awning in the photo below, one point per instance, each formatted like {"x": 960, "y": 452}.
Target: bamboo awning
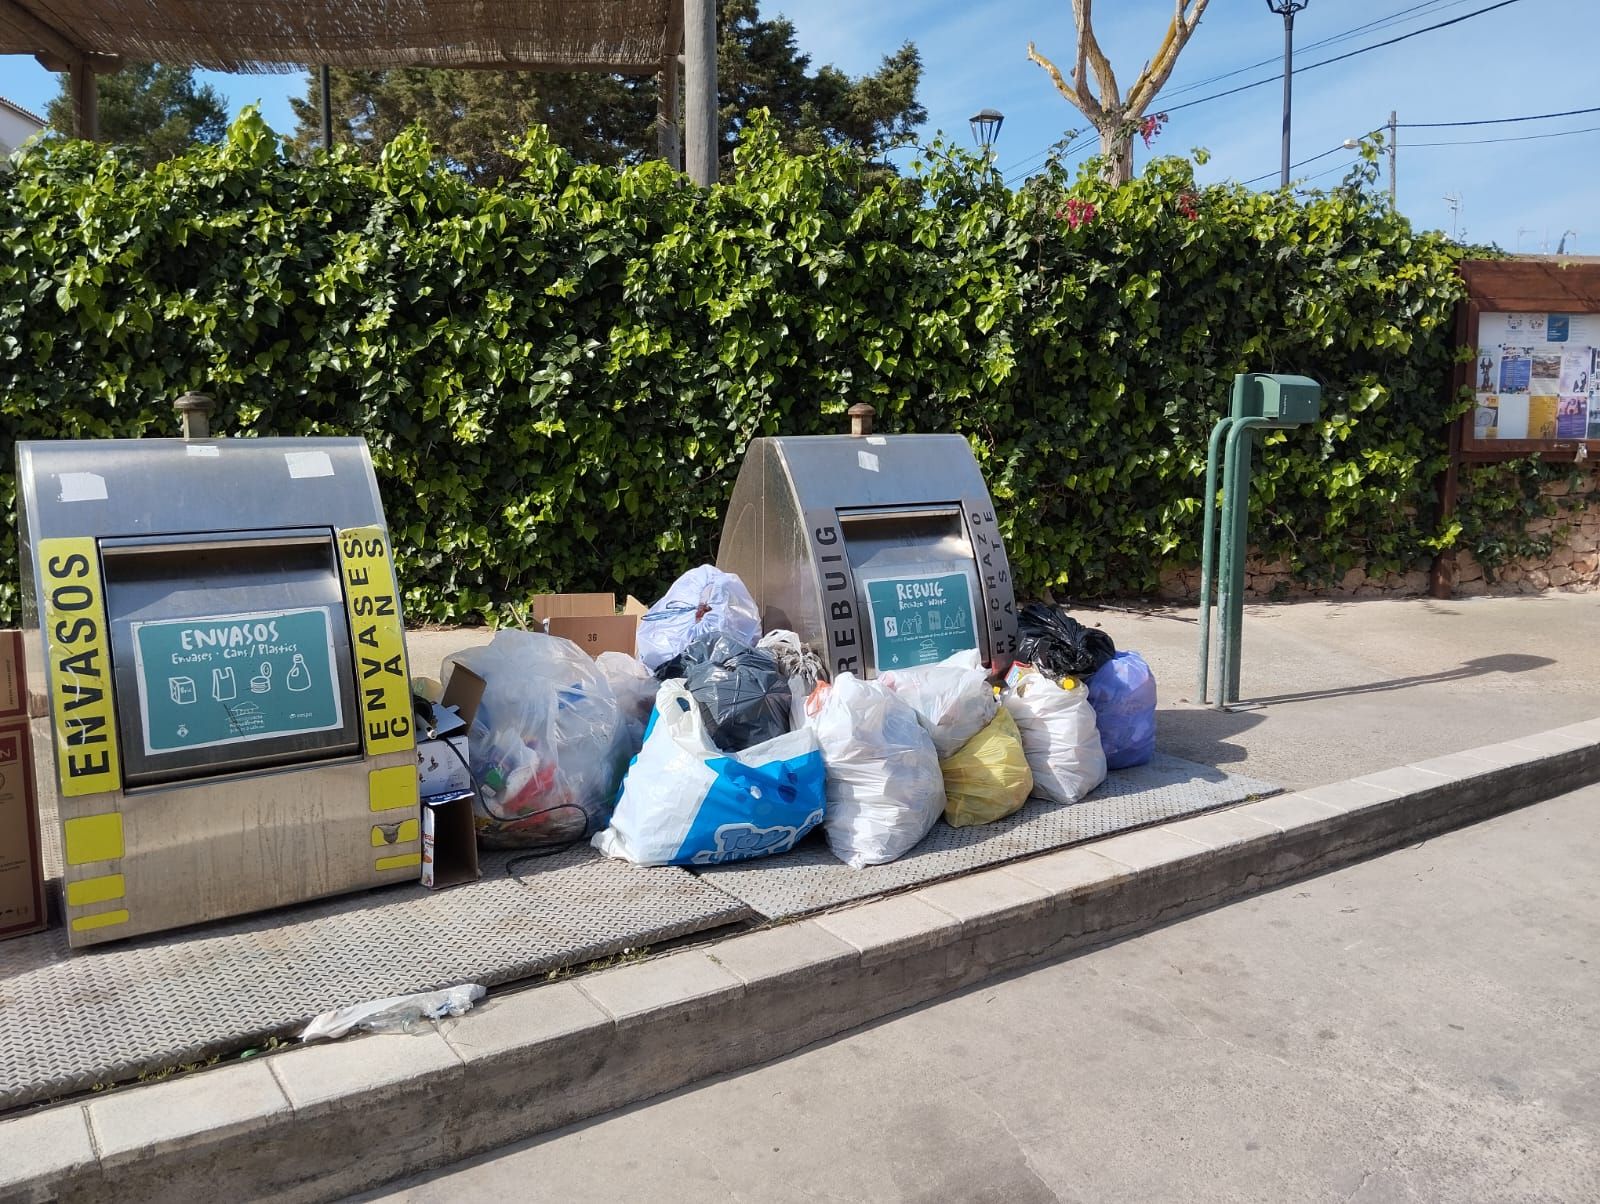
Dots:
{"x": 628, "y": 36}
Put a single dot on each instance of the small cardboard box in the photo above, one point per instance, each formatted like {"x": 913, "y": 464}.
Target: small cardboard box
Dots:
{"x": 449, "y": 836}
{"x": 594, "y": 622}
{"x": 22, "y": 908}
{"x": 449, "y": 841}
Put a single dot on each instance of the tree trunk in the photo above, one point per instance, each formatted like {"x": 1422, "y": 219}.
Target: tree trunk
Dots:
{"x": 1116, "y": 148}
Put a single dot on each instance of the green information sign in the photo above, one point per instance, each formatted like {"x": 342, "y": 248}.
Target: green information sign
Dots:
{"x": 920, "y": 620}
{"x": 225, "y": 679}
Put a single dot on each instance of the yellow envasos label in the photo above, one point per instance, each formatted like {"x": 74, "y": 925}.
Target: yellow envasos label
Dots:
{"x": 380, "y": 646}
{"x": 73, "y": 616}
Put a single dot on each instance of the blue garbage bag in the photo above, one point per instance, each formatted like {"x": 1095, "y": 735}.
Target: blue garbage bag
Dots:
{"x": 1123, "y": 695}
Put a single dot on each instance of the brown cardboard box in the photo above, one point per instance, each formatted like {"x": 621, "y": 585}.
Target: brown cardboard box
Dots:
{"x": 22, "y": 907}
{"x": 593, "y": 622}
{"x": 449, "y": 835}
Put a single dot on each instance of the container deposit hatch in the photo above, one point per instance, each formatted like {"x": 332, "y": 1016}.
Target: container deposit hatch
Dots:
{"x": 225, "y": 663}
{"x": 880, "y": 551}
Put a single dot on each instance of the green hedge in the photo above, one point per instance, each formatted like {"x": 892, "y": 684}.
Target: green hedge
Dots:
{"x": 558, "y": 375}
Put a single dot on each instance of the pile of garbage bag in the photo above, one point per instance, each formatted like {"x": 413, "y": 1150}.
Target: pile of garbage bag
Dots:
{"x": 721, "y": 742}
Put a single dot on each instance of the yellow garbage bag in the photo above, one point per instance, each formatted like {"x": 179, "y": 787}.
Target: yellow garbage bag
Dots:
{"x": 988, "y": 777}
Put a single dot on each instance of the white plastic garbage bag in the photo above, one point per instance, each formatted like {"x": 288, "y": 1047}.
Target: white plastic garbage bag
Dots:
{"x": 953, "y": 698}
{"x": 1059, "y": 737}
{"x": 702, "y": 601}
{"x": 686, "y": 802}
{"x": 403, "y": 1012}
{"x": 543, "y": 746}
{"x": 631, "y": 683}
{"x": 885, "y": 791}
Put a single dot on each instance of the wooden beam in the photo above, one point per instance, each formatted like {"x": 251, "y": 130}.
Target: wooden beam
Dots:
{"x": 46, "y": 38}
{"x": 85, "y": 101}
{"x": 667, "y": 84}
{"x": 701, "y": 136}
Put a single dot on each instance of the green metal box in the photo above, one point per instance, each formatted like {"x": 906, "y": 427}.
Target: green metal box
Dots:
{"x": 1286, "y": 400}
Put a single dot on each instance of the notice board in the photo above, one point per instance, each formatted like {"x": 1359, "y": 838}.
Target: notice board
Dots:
{"x": 1531, "y": 330}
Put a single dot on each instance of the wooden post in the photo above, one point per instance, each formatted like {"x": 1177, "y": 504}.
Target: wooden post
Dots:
{"x": 667, "y": 84}
{"x": 701, "y": 135}
{"x": 85, "y": 100}
{"x": 325, "y": 90}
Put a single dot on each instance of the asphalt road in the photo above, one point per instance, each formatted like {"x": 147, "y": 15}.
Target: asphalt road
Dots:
{"x": 1421, "y": 1026}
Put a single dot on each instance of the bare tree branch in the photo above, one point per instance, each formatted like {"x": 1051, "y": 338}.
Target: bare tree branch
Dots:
{"x": 1082, "y": 99}
{"x": 1156, "y": 74}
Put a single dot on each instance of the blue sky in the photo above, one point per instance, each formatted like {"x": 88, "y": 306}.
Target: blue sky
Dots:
{"x": 1533, "y": 56}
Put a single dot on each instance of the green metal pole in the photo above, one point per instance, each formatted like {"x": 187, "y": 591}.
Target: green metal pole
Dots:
{"x": 1208, "y": 540}
{"x": 1235, "y": 547}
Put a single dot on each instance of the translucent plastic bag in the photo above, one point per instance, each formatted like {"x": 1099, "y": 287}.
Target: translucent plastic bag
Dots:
{"x": 702, "y": 601}
{"x": 1123, "y": 695}
{"x": 543, "y": 746}
{"x": 685, "y": 802}
{"x": 403, "y": 1012}
{"x": 885, "y": 791}
{"x": 953, "y": 698}
{"x": 988, "y": 778}
{"x": 635, "y": 692}
{"x": 1059, "y": 736}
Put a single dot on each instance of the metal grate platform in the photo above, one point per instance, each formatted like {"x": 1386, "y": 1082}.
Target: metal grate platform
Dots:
{"x": 811, "y": 879}
{"x": 71, "y": 1020}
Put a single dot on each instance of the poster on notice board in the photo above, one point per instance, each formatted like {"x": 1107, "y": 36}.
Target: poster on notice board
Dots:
{"x": 1537, "y": 376}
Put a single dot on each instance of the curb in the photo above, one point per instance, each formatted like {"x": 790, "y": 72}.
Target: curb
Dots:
{"x": 319, "y": 1122}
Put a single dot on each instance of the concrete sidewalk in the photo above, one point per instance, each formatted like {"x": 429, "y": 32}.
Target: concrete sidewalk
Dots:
{"x": 1419, "y": 1026}
{"x": 1332, "y": 690}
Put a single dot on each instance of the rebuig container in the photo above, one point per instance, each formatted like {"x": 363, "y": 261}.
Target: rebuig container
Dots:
{"x": 225, "y": 662}
{"x": 881, "y": 551}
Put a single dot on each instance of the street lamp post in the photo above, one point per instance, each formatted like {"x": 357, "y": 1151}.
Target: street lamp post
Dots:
{"x": 1287, "y": 9}
{"x": 986, "y": 125}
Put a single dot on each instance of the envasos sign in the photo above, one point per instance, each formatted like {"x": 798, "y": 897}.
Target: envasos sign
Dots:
{"x": 380, "y": 643}
{"x": 227, "y": 679}
{"x": 74, "y": 621}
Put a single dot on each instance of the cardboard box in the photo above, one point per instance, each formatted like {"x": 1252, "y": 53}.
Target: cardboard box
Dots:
{"x": 22, "y": 908}
{"x": 594, "y": 622}
{"x": 449, "y": 841}
{"x": 449, "y": 835}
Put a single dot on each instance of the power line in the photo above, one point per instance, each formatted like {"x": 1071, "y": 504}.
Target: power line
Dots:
{"x": 1302, "y": 163}
{"x": 1435, "y": 125}
{"x": 1381, "y": 23}
{"x": 1522, "y": 138}
{"x": 1339, "y": 58}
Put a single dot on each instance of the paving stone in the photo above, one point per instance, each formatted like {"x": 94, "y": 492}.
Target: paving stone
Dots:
{"x": 1588, "y": 730}
{"x": 891, "y": 928}
{"x": 644, "y": 991}
{"x": 1290, "y": 811}
{"x": 1149, "y": 849}
{"x": 183, "y": 1113}
{"x": 1070, "y": 871}
{"x": 515, "y": 1021}
{"x": 1222, "y": 829}
{"x": 1457, "y": 766}
{"x": 1407, "y": 779}
{"x": 982, "y": 899}
{"x": 787, "y": 951}
{"x": 1350, "y": 796}
{"x": 39, "y": 1150}
{"x": 324, "y": 1077}
{"x": 1541, "y": 743}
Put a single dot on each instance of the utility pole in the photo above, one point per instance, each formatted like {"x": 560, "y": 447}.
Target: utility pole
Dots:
{"x": 1287, "y": 9}
{"x": 1394, "y": 152}
{"x": 325, "y": 80}
{"x": 701, "y": 138}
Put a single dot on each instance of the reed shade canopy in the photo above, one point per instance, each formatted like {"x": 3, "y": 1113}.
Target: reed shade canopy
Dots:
{"x": 642, "y": 37}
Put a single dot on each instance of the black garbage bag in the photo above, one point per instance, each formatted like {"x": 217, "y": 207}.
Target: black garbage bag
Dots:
{"x": 1054, "y": 642}
{"x": 742, "y": 692}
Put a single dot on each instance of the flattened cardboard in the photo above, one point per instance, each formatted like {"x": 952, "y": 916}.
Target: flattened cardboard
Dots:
{"x": 591, "y": 621}
{"x": 22, "y": 904}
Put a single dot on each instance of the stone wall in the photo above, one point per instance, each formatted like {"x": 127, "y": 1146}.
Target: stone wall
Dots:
{"x": 1572, "y": 565}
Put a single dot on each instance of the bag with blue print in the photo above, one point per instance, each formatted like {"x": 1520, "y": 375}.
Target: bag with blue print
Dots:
{"x": 686, "y": 802}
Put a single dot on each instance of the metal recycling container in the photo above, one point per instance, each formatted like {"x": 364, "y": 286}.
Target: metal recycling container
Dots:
{"x": 880, "y": 551}
{"x": 225, "y": 664}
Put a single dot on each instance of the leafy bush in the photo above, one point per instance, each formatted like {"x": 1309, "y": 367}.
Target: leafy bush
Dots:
{"x": 558, "y": 375}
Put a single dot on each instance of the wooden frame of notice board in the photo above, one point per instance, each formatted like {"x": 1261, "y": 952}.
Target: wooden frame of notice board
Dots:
{"x": 1543, "y": 309}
